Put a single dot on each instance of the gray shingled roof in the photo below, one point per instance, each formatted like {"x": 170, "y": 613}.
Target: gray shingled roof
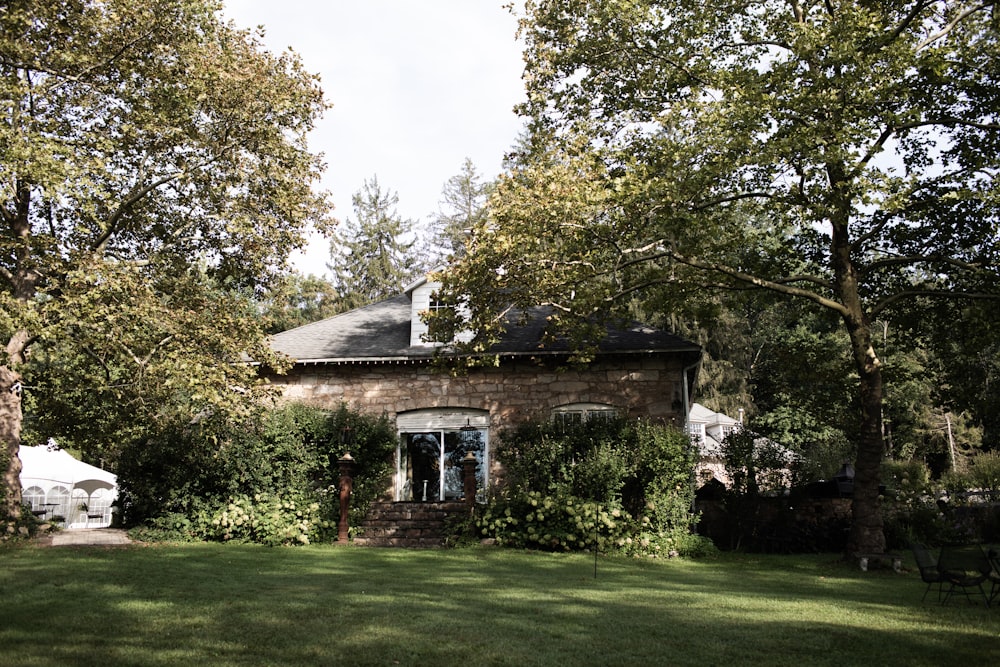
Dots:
{"x": 381, "y": 331}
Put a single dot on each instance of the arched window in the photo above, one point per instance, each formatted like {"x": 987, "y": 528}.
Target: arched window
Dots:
{"x": 99, "y": 510}
{"x": 78, "y": 508}
{"x": 432, "y": 445}
{"x": 57, "y": 502}
{"x": 35, "y": 496}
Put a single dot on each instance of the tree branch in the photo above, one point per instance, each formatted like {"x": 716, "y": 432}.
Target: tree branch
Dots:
{"x": 760, "y": 282}
{"x": 728, "y": 199}
{"x": 63, "y": 78}
{"x": 112, "y": 224}
{"x": 907, "y": 21}
{"x": 906, "y": 294}
{"x": 943, "y": 32}
{"x": 907, "y": 260}
{"x": 797, "y": 11}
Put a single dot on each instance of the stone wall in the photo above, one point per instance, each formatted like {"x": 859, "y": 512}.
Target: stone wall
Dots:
{"x": 516, "y": 391}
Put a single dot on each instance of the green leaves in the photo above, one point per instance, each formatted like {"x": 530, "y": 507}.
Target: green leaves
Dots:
{"x": 153, "y": 129}
{"x": 269, "y": 476}
{"x": 842, "y": 155}
{"x": 153, "y": 172}
{"x": 622, "y": 485}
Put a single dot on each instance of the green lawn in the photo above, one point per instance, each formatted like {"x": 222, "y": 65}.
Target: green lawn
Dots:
{"x": 210, "y": 604}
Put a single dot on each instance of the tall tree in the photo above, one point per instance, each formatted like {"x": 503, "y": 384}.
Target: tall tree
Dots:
{"x": 866, "y": 132}
{"x": 134, "y": 353}
{"x": 462, "y": 208}
{"x": 372, "y": 255}
{"x": 969, "y": 363}
{"x": 150, "y": 155}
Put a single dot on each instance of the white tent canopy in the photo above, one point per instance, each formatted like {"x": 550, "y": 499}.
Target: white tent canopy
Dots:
{"x": 65, "y": 490}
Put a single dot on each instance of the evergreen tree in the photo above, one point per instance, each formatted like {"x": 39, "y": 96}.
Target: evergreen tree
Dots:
{"x": 462, "y": 208}
{"x": 372, "y": 255}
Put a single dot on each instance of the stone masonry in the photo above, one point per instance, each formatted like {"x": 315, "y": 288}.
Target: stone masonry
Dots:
{"x": 516, "y": 391}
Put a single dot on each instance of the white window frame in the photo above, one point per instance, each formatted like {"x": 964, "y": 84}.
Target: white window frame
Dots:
{"x": 585, "y": 412}
{"x": 696, "y": 430}
{"x": 439, "y": 421}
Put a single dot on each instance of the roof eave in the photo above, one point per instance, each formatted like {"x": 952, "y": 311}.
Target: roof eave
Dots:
{"x": 503, "y": 354}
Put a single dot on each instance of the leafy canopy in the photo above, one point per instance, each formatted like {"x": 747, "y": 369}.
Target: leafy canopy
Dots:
{"x": 662, "y": 127}
{"x": 840, "y": 153}
{"x": 153, "y": 173}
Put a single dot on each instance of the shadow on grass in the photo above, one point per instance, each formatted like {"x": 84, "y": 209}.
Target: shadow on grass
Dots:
{"x": 248, "y": 605}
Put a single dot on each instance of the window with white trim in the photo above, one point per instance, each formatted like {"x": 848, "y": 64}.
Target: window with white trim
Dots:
{"x": 578, "y": 413}
{"x": 432, "y": 446}
{"x": 35, "y": 497}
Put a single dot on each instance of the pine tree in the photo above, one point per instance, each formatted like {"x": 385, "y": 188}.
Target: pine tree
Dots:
{"x": 372, "y": 255}
{"x": 462, "y": 207}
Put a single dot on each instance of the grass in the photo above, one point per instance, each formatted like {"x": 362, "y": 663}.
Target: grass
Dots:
{"x": 212, "y": 604}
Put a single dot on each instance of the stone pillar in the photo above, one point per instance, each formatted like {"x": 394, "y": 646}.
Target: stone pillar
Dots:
{"x": 346, "y": 486}
{"x": 469, "y": 480}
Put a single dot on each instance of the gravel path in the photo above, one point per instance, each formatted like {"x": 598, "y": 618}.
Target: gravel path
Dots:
{"x": 87, "y": 537}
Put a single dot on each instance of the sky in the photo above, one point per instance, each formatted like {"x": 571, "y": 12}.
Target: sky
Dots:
{"x": 416, "y": 86}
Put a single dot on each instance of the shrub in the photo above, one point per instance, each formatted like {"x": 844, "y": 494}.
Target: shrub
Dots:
{"x": 264, "y": 519}
{"x": 553, "y": 523}
{"x": 755, "y": 464}
{"x": 970, "y": 511}
{"x": 270, "y": 478}
{"x": 615, "y": 484}
{"x": 984, "y": 474}
{"x": 910, "y": 510}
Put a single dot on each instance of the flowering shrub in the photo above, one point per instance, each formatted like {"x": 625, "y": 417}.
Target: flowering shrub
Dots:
{"x": 271, "y": 479}
{"x": 560, "y": 523}
{"x": 910, "y": 510}
{"x": 272, "y": 520}
{"x": 566, "y": 523}
{"x": 263, "y": 519}
{"x": 618, "y": 485}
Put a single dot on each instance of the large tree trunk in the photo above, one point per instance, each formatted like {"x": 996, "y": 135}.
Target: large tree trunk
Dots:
{"x": 24, "y": 283}
{"x": 11, "y": 418}
{"x": 10, "y": 440}
{"x": 867, "y": 535}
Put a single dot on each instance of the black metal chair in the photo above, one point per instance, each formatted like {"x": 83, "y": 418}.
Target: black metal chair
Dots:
{"x": 993, "y": 554}
{"x": 963, "y": 568}
{"x": 928, "y": 566}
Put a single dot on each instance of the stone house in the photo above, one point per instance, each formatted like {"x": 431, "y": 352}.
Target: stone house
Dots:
{"x": 374, "y": 360}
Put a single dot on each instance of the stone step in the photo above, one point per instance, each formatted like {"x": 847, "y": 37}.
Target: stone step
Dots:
{"x": 407, "y": 524}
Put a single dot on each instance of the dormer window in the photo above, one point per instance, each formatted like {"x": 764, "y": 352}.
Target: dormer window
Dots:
{"x": 423, "y": 301}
